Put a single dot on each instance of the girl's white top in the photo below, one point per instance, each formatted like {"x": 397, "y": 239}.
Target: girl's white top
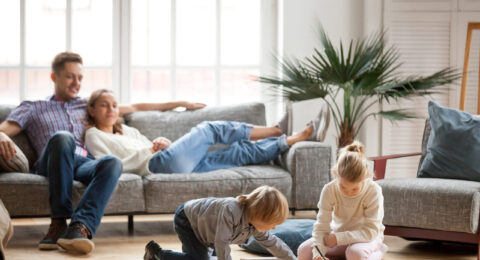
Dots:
{"x": 353, "y": 219}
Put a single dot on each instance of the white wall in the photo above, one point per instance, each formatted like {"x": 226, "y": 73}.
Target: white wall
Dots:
{"x": 342, "y": 20}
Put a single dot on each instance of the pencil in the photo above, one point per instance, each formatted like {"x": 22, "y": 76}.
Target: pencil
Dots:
{"x": 320, "y": 252}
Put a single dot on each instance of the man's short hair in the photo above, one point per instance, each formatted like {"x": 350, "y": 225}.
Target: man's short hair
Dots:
{"x": 59, "y": 61}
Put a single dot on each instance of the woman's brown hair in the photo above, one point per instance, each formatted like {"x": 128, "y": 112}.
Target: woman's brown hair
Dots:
{"x": 117, "y": 127}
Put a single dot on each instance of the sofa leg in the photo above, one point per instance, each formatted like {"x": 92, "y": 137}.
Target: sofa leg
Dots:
{"x": 293, "y": 212}
{"x": 130, "y": 224}
{"x": 478, "y": 250}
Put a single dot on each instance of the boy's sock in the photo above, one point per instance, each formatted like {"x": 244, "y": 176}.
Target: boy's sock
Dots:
{"x": 153, "y": 251}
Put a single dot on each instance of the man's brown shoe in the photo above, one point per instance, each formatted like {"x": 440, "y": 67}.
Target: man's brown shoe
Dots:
{"x": 58, "y": 226}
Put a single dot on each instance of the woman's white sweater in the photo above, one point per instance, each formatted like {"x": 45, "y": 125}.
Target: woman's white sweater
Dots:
{"x": 131, "y": 147}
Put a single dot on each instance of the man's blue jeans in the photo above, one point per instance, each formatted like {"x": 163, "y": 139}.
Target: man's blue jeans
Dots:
{"x": 190, "y": 152}
{"x": 192, "y": 248}
{"x": 61, "y": 166}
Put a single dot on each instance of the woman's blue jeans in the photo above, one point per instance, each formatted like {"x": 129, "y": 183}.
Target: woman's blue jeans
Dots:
{"x": 190, "y": 152}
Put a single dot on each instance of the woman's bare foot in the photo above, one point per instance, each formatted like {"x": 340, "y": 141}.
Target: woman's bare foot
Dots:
{"x": 301, "y": 136}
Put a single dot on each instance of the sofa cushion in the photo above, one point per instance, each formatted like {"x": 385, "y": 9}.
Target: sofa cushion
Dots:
{"x": 430, "y": 203}
{"x": 18, "y": 163}
{"x": 453, "y": 146}
{"x": 21, "y": 139}
{"x": 27, "y": 194}
{"x": 173, "y": 124}
{"x": 128, "y": 196}
{"x": 165, "y": 192}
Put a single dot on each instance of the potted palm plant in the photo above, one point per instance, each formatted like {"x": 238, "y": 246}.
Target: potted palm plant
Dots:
{"x": 357, "y": 78}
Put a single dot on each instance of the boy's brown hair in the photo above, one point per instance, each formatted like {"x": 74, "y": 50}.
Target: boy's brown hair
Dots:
{"x": 265, "y": 204}
{"x": 59, "y": 61}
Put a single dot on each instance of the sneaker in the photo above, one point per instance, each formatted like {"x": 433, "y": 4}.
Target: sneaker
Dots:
{"x": 286, "y": 123}
{"x": 320, "y": 125}
{"x": 56, "y": 229}
{"x": 153, "y": 251}
{"x": 77, "y": 239}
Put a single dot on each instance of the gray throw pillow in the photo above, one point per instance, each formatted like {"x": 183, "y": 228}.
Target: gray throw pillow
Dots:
{"x": 453, "y": 149}
{"x": 19, "y": 163}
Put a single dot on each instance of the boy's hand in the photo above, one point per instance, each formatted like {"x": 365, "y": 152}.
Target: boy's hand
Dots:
{"x": 330, "y": 240}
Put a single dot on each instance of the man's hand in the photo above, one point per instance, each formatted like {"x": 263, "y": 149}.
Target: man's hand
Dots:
{"x": 330, "y": 240}
{"x": 160, "y": 143}
{"x": 7, "y": 147}
{"x": 194, "y": 106}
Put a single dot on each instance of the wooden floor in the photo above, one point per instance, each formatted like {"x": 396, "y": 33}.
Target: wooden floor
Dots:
{"x": 112, "y": 241}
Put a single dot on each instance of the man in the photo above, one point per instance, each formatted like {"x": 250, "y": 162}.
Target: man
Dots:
{"x": 55, "y": 127}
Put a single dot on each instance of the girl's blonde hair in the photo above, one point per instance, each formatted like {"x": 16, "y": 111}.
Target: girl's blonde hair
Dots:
{"x": 352, "y": 164}
{"x": 265, "y": 204}
{"x": 117, "y": 127}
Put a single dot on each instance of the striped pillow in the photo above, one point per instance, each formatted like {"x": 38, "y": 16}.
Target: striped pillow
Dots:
{"x": 19, "y": 163}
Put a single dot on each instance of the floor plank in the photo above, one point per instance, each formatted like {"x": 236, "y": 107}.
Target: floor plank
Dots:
{"x": 112, "y": 241}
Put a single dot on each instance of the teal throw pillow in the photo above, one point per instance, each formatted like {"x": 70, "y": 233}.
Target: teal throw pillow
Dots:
{"x": 453, "y": 148}
{"x": 293, "y": 232}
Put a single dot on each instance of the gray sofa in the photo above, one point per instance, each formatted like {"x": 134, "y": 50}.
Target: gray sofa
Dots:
{"x": 299, "y": 173}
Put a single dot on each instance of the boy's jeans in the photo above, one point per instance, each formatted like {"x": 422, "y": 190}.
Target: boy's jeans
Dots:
{"x": 192, "y": 248}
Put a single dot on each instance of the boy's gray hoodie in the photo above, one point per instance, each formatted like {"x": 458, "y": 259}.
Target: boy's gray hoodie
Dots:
{"x": 218, "y": 222}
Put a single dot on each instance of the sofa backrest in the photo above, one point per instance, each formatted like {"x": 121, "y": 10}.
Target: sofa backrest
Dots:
{"x": 21, "y": 139}
{"x": 170, "y": 124}
{"x": 173, "y": 124}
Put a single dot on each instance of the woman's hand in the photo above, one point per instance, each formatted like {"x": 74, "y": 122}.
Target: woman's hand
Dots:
{"x": 160, "y": 143}
{"x": 194, "y": 106}
{"x": 330, "y": 240}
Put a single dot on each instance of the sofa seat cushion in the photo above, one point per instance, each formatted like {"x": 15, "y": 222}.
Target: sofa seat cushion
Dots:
{"x": 127, "y": 197}
{"x": 431, "y": 203}
{"x": 165, "y": 192}
{"x": 26, "y": 194}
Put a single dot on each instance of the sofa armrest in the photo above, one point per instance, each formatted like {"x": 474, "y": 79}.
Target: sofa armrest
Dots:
{"x": 309, "y": 165}
{"x": 380, "y": 163}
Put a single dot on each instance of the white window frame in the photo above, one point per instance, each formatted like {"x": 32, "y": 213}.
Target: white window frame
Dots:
{"x": 121, "y": 48}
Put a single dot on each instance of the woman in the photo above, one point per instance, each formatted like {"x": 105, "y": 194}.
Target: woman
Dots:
{"x": 104, "y": 135}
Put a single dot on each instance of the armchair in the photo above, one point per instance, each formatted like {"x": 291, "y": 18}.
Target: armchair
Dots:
{"x": 429, "y": 208}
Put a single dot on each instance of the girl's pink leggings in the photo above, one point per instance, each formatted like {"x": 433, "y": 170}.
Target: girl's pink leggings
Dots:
{"x": 372, "y": 250}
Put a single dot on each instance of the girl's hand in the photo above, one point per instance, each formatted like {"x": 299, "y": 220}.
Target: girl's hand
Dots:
{"x": 320, "y": 258}
{"x": 160, "y": 143}
{"x": 330, "y": 240}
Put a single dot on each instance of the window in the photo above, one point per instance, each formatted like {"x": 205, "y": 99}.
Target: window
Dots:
{"x": 203, "y": 50}
{"x": 146, "y": 50}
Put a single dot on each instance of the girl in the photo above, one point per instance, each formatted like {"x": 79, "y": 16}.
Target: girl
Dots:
{"x": 217, "y": 222}
{"x": 356, "y": 202}
{"x": 190, "y": 152}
